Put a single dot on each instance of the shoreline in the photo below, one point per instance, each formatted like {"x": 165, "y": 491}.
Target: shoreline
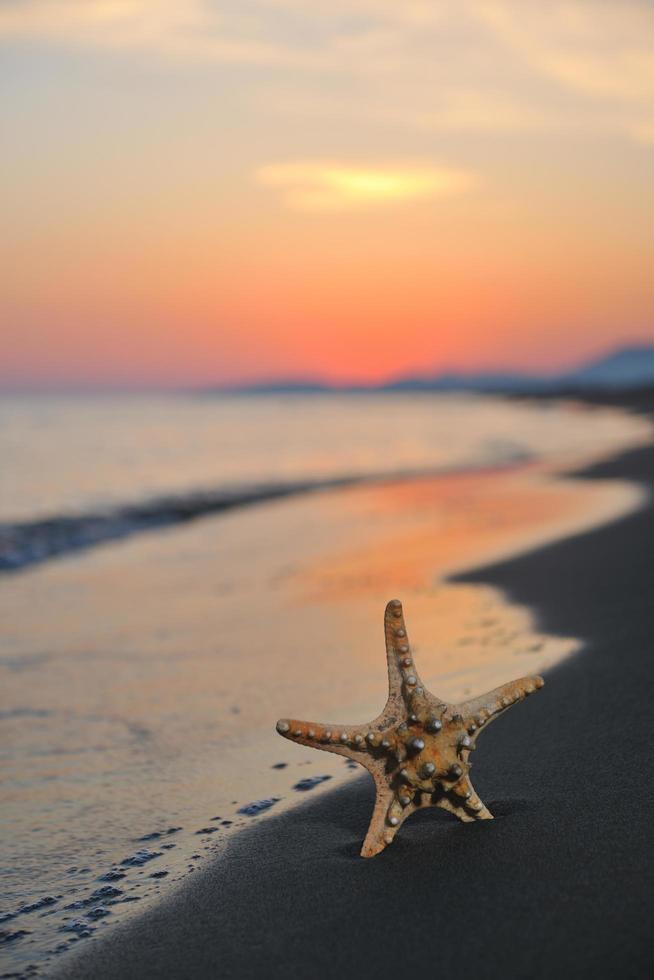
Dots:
{"x": 579, "y": 897}
{"x": 302, "y": 565}
{"x": 24, "y": 544}
{"x": 42, "y": 537}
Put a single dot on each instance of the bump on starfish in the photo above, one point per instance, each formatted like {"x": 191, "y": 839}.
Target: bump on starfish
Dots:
{"x": 418, "y": 749}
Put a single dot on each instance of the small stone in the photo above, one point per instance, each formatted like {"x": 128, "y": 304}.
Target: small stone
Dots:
{"x": 97, "y": 913}
{"x": 254, "y": 809}
{"x": 310, "y": 782}
{"x": 112, "y": 876}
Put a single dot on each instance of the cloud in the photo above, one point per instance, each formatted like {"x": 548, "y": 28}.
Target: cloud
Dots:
{"x": 478, "y": 66}
{"x": 334, "y": 186}
{"x": 644, "y": 133}
{"x": 601, "y": 51}
{"x": 192, "y": 31}
{"x": 99, "y": 21}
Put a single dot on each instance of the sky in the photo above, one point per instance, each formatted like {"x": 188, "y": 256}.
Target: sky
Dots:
{"x": 218, "y": 191}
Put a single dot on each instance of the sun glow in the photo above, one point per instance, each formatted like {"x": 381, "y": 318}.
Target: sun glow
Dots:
{"x": 206, "y": 192}
{"x": 317, "y": 185}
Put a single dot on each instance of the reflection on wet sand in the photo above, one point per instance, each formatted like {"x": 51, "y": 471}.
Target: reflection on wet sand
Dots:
{"x": 407, "y": 538}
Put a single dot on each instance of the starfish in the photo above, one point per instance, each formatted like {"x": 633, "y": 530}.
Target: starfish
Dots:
{"x": 418, "y": 749}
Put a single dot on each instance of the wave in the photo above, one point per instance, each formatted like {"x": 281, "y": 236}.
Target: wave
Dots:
{"x": 31, "y": 542}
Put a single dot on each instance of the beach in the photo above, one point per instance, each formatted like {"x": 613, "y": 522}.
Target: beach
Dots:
{"x": 560, "y": 883}
{"x": 142, "y": 678}
{"x": 327, "y": 438}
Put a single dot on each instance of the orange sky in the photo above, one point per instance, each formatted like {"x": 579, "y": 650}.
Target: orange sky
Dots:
{"x": 200, "y": 191}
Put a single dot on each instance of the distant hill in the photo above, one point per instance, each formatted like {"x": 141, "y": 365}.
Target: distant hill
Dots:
{"x": 302, "y": 386}
{"x": 483, "y": 382}
{"x": 627, "y": 367}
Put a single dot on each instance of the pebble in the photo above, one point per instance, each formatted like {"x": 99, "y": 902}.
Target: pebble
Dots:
{"x": 11, "y": 937}
{"x": 107, "y": 891}
{"x": 97, "y": 913}
{"x": 40, "y": 903}
{"x": 309, "y": 783}
{"x": 140, "y": 857}
{"x": 78, "y": 926}
{"x": 258, "y": 806}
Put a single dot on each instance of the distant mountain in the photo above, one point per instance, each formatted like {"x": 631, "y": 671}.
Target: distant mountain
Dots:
{"x": 628, "y": 367}
{"x": 300, "y": 386}
{"x": 483, "y": 382}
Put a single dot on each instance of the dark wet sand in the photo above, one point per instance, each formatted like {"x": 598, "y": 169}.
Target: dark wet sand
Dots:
{"x": 560, "y": 885}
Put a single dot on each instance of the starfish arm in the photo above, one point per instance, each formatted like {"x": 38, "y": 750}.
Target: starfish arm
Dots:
{"x": 349, "y": 740}
{"x": 397, "y": 647}
{"x": 380, "y": 831}
{"x": 480, "y": 711}
{"x": 403, "y": 680}
{"x": 462, "y": 813}
{"x": 463, "y": 802}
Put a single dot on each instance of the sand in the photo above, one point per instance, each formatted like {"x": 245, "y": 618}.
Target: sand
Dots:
{"x": 560, "y": 884}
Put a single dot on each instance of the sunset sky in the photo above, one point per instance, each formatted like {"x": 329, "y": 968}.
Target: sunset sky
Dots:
{"x": 200, "y": 191}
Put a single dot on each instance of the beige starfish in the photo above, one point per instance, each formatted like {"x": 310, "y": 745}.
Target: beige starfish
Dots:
{"x": 417, "y": 750}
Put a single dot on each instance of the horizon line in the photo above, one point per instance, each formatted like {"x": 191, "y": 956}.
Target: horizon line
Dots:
{"x": 308, "y": 382}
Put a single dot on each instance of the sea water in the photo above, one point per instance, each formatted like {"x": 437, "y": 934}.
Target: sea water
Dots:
{"x": 67, "y": 455}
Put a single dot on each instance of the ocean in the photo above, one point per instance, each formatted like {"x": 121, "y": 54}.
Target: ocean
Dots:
{"x": 70, "y": 457}
{"x": 153, "y": 628}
